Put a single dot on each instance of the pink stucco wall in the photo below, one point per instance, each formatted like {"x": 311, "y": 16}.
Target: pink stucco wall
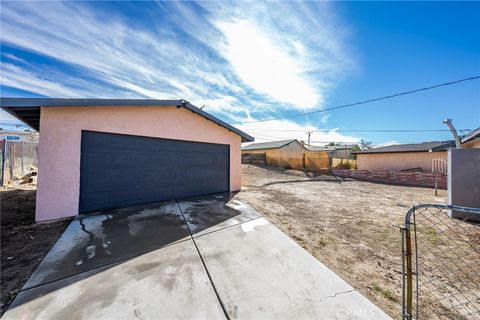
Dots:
{"x": 59, "y": 148}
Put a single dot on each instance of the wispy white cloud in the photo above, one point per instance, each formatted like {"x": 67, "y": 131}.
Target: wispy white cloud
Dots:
{"x": 325, "y": 118}
{"x": 386, "y": 143}
{"x": 16, "y": 77}
{"x": 242, "y": 60}
{"x": 13, "y": 57}
{"x": 267, "y": 67}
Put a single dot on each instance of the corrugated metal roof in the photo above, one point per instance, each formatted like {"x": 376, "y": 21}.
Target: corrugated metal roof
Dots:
{"x": 28, "y": 109}
{"x": 472, "y": 135}
{"x": 268, "y": 145}
{"x": 414, "y": 147}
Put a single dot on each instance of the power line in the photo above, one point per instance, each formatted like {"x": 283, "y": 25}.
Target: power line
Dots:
{"x": 366, "y": 101}
{"x": 358, "y": 130}
{"x": 341, "y": 142}
{"x": 269, "y": 138}
{"x": 255, "y": 132}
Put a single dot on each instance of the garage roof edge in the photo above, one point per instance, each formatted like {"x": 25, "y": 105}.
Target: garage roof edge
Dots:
{"x": 28, "y": 109}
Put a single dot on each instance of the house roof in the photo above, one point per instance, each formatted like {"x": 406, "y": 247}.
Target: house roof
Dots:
{"x": 268, "y": 145}
{"x": 330, "y": 148}
{"x": 415, "y": 147}
{"x": 28, "y": 109}
{"x": 472, "y": 135}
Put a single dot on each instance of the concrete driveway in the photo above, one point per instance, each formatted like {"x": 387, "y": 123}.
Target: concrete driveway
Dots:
{"x": 198, "y": 258}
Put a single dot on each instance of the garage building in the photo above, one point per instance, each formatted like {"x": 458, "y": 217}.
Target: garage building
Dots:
{"x": 97, "y": 154}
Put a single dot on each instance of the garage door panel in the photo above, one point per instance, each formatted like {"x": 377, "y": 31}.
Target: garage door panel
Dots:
{"x": 95, "y": 199}
{"x": 96, "y": 180}
{"x": 123, "y": 159}
{"x": 121, "y": 170}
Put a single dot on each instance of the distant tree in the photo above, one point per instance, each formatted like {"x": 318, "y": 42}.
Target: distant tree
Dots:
{"x": 335, "y": 144}
{"x": 355, "y": 148}
{"x": 366, "y": 145}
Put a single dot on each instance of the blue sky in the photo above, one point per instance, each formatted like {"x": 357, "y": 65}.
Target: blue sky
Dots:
{"x": 248, "y": 61}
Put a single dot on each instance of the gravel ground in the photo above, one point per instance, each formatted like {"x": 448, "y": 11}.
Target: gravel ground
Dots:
{"x": 349, "y": 225}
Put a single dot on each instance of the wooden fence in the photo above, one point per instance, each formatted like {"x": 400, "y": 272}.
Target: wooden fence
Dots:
{"x": 316, "y": 161}
{"x": 254, "y": 158}
{"x": 308, "y": 160}
{"x": 15, "y": 158}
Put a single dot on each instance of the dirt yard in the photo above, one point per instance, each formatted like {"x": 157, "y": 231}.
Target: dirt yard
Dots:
{"x": 23, "y": 243}
{"x": 349, "y": 226}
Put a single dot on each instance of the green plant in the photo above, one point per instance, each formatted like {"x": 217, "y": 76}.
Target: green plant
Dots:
{"x": 387, "y": 294}
{"x": 344, "y": 165}
{"x": 431, "y": 234}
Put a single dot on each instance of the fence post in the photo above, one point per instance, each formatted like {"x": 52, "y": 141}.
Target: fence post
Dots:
{"x": 3, "y": 160}
{"x": 12, "y": 160}
{"x": 407, "y": 307}
{"x": 23, "y": 155}
{"x": 408, "y": 258}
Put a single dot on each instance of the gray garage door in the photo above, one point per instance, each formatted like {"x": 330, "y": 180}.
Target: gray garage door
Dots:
{"x": 121, "y": 170}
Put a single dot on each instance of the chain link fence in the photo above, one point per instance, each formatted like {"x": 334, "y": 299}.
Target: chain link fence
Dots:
{"x": 441, "y": 262}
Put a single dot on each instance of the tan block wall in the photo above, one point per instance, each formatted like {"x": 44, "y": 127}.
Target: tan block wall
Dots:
{"x": 59, "y": 148}
{"x": 398, "y": 161}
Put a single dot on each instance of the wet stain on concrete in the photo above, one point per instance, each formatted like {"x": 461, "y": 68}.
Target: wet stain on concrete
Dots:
{"x": 36, "y": 307}
{"x": 111, "y": 236}
{"x": 99, "y": 241}
{"x": 99, "y": 296}
{"x": 137, "y": 313}
{"x": 147, "y": 266}
{"x": 202, "y": 213}
{"x": 233, "y": 311}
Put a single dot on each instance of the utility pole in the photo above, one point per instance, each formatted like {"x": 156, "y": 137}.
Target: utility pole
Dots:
{"x": 309, "y": 133}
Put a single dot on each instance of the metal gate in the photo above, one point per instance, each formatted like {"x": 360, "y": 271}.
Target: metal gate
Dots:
{"x": 441, "y": 262}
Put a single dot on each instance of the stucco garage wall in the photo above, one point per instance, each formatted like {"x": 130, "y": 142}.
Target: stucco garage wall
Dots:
{"x": 397, "y": 161}
{"x": 60, "y": 136}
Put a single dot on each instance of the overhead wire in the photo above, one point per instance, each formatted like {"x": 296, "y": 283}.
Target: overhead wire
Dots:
{"x": 358, "y": 130}
{"x": 365, "y": 101}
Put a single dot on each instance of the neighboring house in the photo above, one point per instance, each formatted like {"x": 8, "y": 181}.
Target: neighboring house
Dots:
{"x": 471, "y": 140}
{"x": 18, "y": 152}
{"x": 282, "y": 153}
{"x": 19, "y": 136}
{"x": 96, "y": 154}
{"x": 337, "y": 151}
{"x": 415, "y": 157}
